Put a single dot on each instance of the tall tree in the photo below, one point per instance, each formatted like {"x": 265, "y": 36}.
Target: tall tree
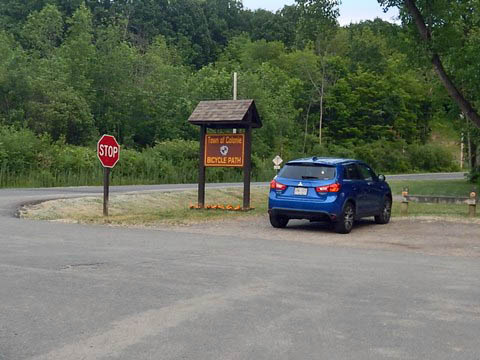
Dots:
{"x": 412, "y": 14}
{"x": 318, "y": 24}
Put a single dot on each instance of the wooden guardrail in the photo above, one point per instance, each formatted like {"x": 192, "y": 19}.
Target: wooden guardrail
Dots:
{"x": 470, "y": 200}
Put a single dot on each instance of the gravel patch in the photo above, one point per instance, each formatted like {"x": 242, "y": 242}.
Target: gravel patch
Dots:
{"x": 427, "y": 235}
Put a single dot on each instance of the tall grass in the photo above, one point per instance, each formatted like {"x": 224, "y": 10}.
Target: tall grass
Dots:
{"x": 45, "y": 178}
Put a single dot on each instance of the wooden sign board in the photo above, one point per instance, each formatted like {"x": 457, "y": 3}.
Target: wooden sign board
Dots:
{"x": 224, "y": 150}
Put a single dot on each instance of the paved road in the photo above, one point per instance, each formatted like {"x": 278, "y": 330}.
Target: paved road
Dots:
{"x": 88, "y": 292}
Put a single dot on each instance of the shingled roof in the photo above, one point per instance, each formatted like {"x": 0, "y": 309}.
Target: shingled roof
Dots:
{"x": 226, "y": 114}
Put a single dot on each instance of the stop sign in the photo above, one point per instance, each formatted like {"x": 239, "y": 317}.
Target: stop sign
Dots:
{"x": 108, "y": 151}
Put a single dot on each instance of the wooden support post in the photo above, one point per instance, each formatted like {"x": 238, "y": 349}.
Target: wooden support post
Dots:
{"x": 201, "y": 168}
{"x": 404, "y": 206}
{"x": 472, "y": 205}
{"x": 247, "y": 169}
{"x": 106, "y": 189}
{"x": 472, "y": 210}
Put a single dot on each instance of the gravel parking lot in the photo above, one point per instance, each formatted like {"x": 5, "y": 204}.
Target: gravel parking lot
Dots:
{"x": 427, "y": 235}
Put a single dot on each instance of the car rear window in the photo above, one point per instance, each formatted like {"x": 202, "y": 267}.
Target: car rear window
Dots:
{"x": 307, "y": 171}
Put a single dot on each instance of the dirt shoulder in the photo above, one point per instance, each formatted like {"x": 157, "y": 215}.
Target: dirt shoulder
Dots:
{"x": 427, "y": 235}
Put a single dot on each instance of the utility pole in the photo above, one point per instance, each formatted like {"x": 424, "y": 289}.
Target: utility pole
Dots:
{"x": 235, "y": 79}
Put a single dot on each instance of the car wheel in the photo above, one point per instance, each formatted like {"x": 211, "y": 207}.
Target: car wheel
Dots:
{"x": 386, "y": 213}
{"x": 345, "y": 224}
{"x": 278, "y": 221}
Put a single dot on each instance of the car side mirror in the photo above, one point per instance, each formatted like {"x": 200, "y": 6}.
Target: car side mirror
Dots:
{"x": 381, "y": 178}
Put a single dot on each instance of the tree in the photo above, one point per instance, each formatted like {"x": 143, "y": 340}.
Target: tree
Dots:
{"x": 78, "y": 51}
{"x": 412, "y": 14}
{"x": 14, "y": 81}
{"x": 318, "y": 24}
{"x": 43, "y": 31}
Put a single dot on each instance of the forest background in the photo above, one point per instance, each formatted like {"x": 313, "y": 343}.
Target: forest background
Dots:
{"x": 71, "y": 70}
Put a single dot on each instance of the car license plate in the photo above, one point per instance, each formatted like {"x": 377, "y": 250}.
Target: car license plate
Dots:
{"x": 301, "y": 191}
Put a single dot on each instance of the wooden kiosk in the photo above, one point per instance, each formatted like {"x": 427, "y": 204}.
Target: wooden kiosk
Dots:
{"x": 226, "y": 149}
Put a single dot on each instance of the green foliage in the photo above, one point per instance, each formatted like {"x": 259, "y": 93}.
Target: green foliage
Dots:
{"x": 18, "y": 149}
{"x": 43, "y": 31}
{"x": 27, "y": 160}
{"x": 71, "y": 70}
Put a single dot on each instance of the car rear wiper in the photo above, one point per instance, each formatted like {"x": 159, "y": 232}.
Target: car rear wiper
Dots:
{"x": 310, "y": 177}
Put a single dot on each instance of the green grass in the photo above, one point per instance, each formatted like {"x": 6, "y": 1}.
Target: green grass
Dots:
{"x": 441, "y": 210}
{"x": 434, "y": 187}
{"x": 151, "y": 208}
{"x": 174, "y": 207}
{"x": 444, "y": 133}
{"x": 45, "y": 178}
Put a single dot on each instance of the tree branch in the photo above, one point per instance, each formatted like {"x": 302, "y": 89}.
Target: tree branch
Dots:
{"x": 452, "y": 90}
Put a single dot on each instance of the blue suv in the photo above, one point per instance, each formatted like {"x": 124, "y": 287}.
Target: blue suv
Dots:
{"x": 326, "y": 189}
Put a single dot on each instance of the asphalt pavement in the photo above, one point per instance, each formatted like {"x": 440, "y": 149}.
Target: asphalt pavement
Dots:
{"x": 91, "y": 292}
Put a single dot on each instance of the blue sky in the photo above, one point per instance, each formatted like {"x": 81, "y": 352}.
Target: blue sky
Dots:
{"x": 350, "y": 10}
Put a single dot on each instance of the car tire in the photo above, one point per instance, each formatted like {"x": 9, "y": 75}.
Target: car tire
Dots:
{"x": 384, "y": 216}
{"x": 345, "y": 223}
{"x": 278, "y": 222}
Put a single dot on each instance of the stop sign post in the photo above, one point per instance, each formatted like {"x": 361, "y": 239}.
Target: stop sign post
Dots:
{"x": 108, "y": 152}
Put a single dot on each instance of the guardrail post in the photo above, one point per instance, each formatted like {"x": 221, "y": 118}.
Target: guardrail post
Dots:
{"x": 404, "y": 207}
{"x": 472, "y": 205}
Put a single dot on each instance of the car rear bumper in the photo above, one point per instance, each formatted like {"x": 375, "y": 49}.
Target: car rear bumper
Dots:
{"x": 329, "y": 208}
{"x": 303, "y": 214}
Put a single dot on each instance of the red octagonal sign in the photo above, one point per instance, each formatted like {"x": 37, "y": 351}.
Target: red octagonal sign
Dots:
{"x": 108, "y": 151}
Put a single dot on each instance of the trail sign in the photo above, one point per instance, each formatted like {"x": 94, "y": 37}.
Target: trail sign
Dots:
{"x": 108, "y": 151}
{"x": 224, "y": 150}
{"x": 235, "y": 151}
{"x": 277, "y": 160}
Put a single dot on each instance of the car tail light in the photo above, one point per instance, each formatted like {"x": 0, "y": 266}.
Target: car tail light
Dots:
{"x": 332, "y": 188}
{"x": 275, "y": 185}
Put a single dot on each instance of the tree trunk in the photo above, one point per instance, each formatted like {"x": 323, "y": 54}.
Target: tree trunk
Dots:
{"x": 469, "y": 146}
{"x": 306, "y": 127}
{"x": 322, "y": 93}
{"x": 474, "y": 156}
{"x": 452, "y": 90}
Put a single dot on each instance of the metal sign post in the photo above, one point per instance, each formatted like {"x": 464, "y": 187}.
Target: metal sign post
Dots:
{"x": 277, "y": 161}
{"x": 106, "y": 189}
{"x": 108, "y": 152}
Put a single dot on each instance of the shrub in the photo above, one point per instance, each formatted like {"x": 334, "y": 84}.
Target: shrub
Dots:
{"x": 28, "y": 160}
{"x": 18, "y": 149}
{"x": 431, "y": 158}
